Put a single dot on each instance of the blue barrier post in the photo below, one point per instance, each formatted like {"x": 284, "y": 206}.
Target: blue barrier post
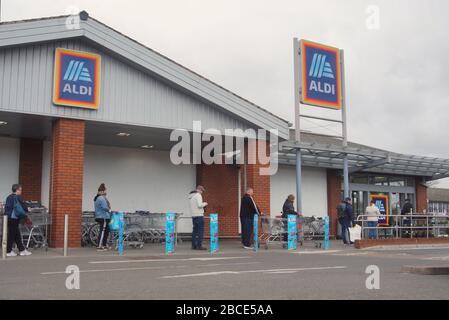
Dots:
{"x": 256, "y": 232}
{"x": 170, "y": 232}
{"x": 121, "y": 227}
{"x": 292, "y": 233}
{"x": 213, "y": 232}
{"x": 326, "y": 232}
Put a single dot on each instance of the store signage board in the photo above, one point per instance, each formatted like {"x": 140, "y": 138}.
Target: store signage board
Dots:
{"x": 381, "y": 201}
{"x": 321, "y": 80}
{"x": 76, "y": 80}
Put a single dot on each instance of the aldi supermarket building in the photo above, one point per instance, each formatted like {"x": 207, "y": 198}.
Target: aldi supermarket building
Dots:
{"x": 84, "y": 105}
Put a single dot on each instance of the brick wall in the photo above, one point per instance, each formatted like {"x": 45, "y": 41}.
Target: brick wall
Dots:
{"x": 66, "y": 180}
{"x": 421, "y": 196}
{"x": 221, "y": 183}
{"x": 30, "y": 168}
{"x": 333, "y": 198}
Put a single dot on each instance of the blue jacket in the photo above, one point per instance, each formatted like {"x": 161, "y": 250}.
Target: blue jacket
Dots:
{"x": 349, "y": 214}
{"x": 9, "y": 205}
{"x": 102, "y": 208}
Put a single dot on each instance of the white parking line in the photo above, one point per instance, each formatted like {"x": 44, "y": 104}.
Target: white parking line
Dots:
{"x": 152, "y": 268}
{"x": 316, "y": 252}
{"x": 167, "y": 260}
{"x": 272, "y": 271}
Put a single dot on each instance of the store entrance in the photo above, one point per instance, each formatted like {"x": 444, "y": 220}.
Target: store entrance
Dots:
{"x": 361, "y": 199}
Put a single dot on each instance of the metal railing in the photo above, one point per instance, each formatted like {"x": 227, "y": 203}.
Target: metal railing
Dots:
{"x": 416, "y": 225}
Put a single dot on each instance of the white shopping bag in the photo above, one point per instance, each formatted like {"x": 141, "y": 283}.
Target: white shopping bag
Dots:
{"x": 355, "y": 233}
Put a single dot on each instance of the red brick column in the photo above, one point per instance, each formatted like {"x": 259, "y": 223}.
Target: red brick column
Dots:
{"x": 260, "y": 183}
{"x": 421, "y": 195}
{"x": 66, "y": 180}
{"x": 333, "y": 198}
{"x": 221, "y": 183}
{"x": 30, "y": 168}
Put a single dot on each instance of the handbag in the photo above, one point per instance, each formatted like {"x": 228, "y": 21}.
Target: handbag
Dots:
{"x": 355, "y": 233}
{"x": 18, "y": 210}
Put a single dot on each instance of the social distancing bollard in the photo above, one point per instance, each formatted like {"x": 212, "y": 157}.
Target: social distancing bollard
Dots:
{"x": 121, "y": 227}
{"x": 256, "y": 232}
{"x": 170, "y": 222}
{"x": 213, "y": 233}
{"x": 292, "y": 232}
{"x": 326, "y": 232}
{"x": 4, "y": 236}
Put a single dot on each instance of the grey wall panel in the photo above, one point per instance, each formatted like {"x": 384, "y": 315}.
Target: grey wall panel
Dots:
{"x": 128, "y": 95}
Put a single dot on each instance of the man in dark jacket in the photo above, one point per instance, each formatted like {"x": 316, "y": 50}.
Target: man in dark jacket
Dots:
{"x": 346, "y": 220}
{"x": 407, "y": 208}
{"x": 248, "y": 209}
{"x": 13, "y": 222}
{"x": 287, "y": 209}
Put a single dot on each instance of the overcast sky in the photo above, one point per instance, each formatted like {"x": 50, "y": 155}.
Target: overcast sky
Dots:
{"x": 397, "y": 75}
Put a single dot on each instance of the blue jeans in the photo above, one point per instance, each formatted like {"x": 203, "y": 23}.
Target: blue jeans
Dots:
{"x": 198, "y": 232}
{"x": 372, "y": 233}
{"x": 345, "y": 231}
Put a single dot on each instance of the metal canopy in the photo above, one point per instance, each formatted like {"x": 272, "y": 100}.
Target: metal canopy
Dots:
{"x": 329, "y": 153}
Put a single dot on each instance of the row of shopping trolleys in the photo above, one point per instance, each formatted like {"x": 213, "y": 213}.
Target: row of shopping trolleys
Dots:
{"x": 140, "y": 227}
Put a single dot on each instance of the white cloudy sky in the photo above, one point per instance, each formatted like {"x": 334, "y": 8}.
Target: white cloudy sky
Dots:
{"x": 397, "y": 76}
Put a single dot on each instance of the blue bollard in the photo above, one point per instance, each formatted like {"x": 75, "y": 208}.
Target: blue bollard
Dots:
{"x": 121, "y": 227}
{"x": 256, "y": 232}
{"x": 292, "y": 232}
{"x": 170, "y": 232}
{"x": 213, "y": 232}
{"x": 326, "y": 232}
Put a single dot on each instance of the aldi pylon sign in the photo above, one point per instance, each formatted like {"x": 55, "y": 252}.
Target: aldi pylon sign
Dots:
{"x": 321, "y": 80}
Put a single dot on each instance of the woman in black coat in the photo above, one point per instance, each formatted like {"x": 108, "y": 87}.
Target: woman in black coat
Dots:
{"x": 288, "y": 209}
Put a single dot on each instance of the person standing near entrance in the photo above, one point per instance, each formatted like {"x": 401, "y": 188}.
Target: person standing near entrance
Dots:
{"x": 287, "y": 209}
{"x": 372, "y": 217}
{"x": 248, "y": 209}
{"x": 102, "y": 217}
{"x": 15, "y": 209}
{"x": 345, "y": 217}
{"x": 197, "y": 210}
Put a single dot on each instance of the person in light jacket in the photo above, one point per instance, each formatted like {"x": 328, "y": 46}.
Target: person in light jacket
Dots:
{"x": 197, "y": 206}
{"x": 102, "y": 217}
{"x": 372, "y": 217}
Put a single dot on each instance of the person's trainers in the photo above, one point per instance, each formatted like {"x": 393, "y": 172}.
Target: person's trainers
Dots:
{"x": 248, "y": 248}
{"x": 11, "y": 254}
{"x": 25, "y": 253}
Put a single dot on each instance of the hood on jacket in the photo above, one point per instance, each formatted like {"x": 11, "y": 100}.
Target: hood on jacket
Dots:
{"x": 192, "y": 193}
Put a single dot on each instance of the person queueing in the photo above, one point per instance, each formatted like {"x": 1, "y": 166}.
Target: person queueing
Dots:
{"x": 288, "y": 209}
{"x": 372, "y": 218}
{"x": 197, "y": 211}
{"x": 102, "y": 217}
{"x": 345, "y": 218}
{"x": 248, "y": 209}
{"x": 12, "y": 203}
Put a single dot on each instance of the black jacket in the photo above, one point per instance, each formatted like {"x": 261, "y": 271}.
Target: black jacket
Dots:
{"x": 247, "y": 208}
{"x": 288, "y": 209}
{"x": 9, "y": 204}
{"x": 407, "y": 208}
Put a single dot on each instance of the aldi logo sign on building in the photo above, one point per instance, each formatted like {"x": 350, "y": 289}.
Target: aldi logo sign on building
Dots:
{"x": 321, "y": 75}
{"x": 76, "y": 79}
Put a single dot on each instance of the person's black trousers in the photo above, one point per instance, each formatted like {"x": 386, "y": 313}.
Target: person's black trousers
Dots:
{"x": 197, "y": 232}
{"x": 247, "y": 230}
{"x": 104, "y": 232}
{"x": 14, "y": 235}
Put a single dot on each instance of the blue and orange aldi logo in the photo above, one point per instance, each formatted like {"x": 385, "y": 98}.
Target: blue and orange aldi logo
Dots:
{"x": 76, "y": 79}
{"x": 321, "y": 75}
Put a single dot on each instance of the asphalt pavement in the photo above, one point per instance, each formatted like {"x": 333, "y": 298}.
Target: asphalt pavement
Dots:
{"x": 233, "y": 273}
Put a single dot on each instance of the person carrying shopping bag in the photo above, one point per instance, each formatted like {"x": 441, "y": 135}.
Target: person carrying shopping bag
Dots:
{"x": 102, "y": 217}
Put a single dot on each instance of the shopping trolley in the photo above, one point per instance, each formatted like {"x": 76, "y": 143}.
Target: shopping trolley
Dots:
{"x": 274, "y": 230}
{"x": 35, "y": 229}
{"x": 311, "y": 229}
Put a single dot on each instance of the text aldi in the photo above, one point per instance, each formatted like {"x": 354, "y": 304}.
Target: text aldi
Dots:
{"x": 321, "y": 75}
{"x": 76, "y": 79}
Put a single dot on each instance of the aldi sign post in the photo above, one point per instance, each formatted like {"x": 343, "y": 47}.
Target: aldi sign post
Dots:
{"x": 76, "y": 79}
{"x": 321, "y": 75}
